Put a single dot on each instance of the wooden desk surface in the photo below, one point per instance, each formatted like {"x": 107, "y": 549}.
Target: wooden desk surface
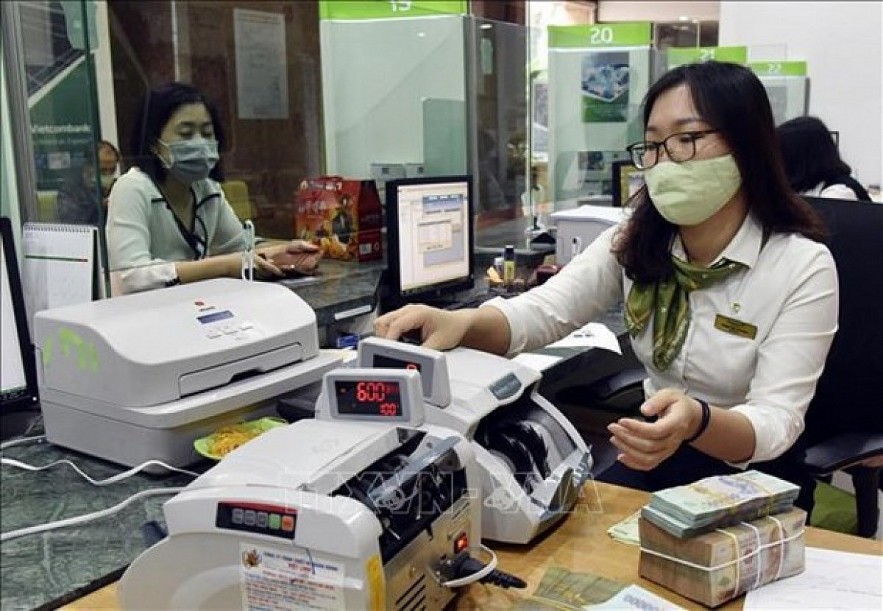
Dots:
{"x": 580, "y": 544}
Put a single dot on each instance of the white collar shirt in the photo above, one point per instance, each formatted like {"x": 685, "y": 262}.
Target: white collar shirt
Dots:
{"x": 787, "y": 295}
{"x": 144, "y": 240}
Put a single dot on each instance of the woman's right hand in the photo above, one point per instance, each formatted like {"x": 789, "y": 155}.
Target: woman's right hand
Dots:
{"x": 439, "y": 329}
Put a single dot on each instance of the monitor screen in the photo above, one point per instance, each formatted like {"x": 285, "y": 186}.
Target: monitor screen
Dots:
{"x": 18, "y": 380}
{"x": 430, "y": 235}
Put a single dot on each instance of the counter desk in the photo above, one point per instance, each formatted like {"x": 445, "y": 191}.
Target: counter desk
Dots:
{"x": 342, "y": 291}
{"x": 61, "y": 565}
{"x": 580, "y": 544}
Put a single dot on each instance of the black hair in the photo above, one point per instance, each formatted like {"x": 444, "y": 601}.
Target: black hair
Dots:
{"x": 107, "y": 145}
{"x": 810, "y": 153}
{"x": 734, "y": 102}
{"x": 158, "y": 107}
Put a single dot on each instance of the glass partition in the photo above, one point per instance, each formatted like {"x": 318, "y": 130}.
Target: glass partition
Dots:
{"x": 395, "y": 96}
{"x": 434, "y": 95}
{"x": 498, "y": 65}
{"x": 596, "y": 84}
{"x": 538, "y": 115}
{"x": 787, "y": 87}
{"x": 258, "y": 62}
{"x": 62, "y": 110}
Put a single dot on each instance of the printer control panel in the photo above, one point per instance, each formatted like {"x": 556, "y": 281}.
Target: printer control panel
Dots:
{"x": 217, "y": 323}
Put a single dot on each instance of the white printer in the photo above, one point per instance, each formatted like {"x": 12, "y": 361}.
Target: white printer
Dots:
{"x": 142, "y": 376}
{"x": 364, "y": 507}
{"x": 578, "y": 227}
{"x": 532, "y": 462}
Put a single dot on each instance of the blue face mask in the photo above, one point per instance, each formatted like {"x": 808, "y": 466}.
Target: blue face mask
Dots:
{"x": 191, "y": 160}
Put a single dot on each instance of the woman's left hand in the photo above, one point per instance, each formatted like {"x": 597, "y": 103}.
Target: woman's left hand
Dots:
{"x": 294, "y": 246}
{"x": 643, "y": 445}
{"x": 300, "y": 246}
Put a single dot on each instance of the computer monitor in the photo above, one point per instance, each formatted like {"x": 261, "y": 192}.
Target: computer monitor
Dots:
{"x": 18, "y": 376}
{"x": 430, "y": 247}
{"x": 625, "y": 181}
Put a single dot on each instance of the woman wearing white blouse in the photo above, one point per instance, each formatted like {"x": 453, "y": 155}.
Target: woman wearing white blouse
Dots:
{"x": 168, "y": 220}
{"x": 730, "y": 298}
{"x": 813, "y": 164}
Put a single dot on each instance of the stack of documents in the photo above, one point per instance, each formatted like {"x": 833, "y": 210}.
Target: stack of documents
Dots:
{"x": 714, "y": 502}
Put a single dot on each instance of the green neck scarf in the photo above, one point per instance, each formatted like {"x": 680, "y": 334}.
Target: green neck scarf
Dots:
{"x": 668, "y": 301}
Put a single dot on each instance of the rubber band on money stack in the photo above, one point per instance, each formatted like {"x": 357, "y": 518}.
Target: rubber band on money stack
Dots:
{"x": 717, "y": 538}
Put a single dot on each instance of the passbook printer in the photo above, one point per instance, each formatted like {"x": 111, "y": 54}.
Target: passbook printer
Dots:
{"x": 141, "y": 376}
{"x": 532, "y": 461}
{"x": 364, "y": 506}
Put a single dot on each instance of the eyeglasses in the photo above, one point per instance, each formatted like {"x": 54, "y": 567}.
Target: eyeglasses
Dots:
{"x": 679, "y": 147}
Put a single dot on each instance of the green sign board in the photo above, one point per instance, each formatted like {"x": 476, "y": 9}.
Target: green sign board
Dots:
{"x": 61, "y": 129}
{"x": 778, "y": 68}
{"x": 680, "y": 56}
{"x": 632, "y": 34}
{"x": 389, "y": 9}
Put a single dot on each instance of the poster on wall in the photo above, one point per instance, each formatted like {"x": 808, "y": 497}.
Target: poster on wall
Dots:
{"x": 61, "y": 129}
{"x": 261, "y": 65}
{"x": 604, "y": 85}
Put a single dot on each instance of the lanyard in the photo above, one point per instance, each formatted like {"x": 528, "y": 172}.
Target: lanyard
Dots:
{"x": 197, "y": 243}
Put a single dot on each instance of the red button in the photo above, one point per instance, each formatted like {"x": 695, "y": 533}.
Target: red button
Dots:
{"x": 288, "y": 523}
{"x": 461, "y": 543}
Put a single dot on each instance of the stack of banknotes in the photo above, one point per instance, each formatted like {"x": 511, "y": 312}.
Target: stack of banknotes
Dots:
{"x": 717, "y": 566}
{"x": 716, "y": 538}
{"x": 715, "y": 502}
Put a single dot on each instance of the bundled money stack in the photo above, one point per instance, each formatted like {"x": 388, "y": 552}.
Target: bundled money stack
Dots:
{"x": 715, "y": 539}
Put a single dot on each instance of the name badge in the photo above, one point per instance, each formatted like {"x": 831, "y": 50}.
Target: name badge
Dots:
{"x": 734, "y": 327}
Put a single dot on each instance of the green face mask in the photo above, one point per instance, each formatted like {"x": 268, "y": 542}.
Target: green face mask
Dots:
{"x": 107, "y": 181}
{"x": 690, "y": 192}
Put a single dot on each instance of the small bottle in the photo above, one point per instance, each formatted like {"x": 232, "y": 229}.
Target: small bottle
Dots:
{"x": 498, "y": 265}
{"x": 509, "y": 265}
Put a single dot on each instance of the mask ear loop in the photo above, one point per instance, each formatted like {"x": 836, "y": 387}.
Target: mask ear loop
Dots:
{"x": 166, "y": 164}
{"x": 248, "y": 251}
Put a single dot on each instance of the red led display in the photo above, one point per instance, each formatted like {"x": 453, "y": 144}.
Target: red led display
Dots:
{"x": 368, "y": 398}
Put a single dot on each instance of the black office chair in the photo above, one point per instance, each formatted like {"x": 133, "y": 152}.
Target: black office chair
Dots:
{"x": 844, "y": 424}
{"x": 607, "y": 387}
{"x": 617, "y": 389}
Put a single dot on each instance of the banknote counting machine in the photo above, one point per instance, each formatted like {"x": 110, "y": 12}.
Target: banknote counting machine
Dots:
{"x": 139, "y": 377}
{"x": 364, "y": 506}
{"x": 533, "y": 463}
